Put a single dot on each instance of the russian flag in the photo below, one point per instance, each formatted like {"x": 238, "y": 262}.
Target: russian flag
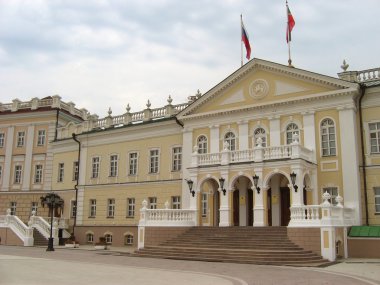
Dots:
{"x": 245, "y": 40}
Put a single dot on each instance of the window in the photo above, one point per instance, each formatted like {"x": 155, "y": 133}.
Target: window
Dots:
{"x": 204, "y": 204}
{"x": 92, "y": 208}
{"x": 377, "y": 199}
{"x": 177, "y": 158}
{"x": 75, "y": 170}
{"x": 73, "y": 209}
{"x": 374, "y": 133}
{"x": 231, "y": 140}
{"x": 95, "y": 167}
{"x": 18, "y": 173}
{"x": 20, "y": 139}
{"x": 202, "y": 144}
{"x": 152, "y": 202}
{"x": 333, "y": 191}
{"x": 38, "y": 174}
{"x": 154, "y": 158}
{"x": 258, "y": 135}
{"x": 133, "y": 163}
{"x": 328, "y": 137}
{"x": 1, "y": 171}
{"x": 34, "y": 207}
{"x": 291, "y": 132}
{"x": 108, "y": 238}
{"x": 113, "y": 165}
{"x": 13, "y": 207}
{"x": 90, "y": 238}
{"x": 41, "y": 137}
{"x": 111, "y": 208}
{"x": 128, "y": 240}
{"x": 131, "y": 207}
{"x": 61, "y": 171}
{"x": 176, "y": 202}
{"x": 2, "y": 139}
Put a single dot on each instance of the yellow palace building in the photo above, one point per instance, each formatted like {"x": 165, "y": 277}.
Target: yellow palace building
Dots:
{"x": 270, "y": 145}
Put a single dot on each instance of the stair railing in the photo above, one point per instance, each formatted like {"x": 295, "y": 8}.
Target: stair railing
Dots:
{"x": 14, "y": 223}
{"x": 42, "y": 226}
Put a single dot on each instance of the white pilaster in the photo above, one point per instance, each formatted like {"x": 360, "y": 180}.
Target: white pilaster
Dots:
{"x": 8, "y": 158}
{"x": 350, "y": 161}
{"x": 275, "y": 131}
{"x": 80, "y": 204}
{"x": 224, "y": 211}
{"x": 187, "y": 149}
{"x": 28, "y": 159}
{"x": 214, "y": 139}
{"x": 258, "y": 208}
{"x": 243, "y": 135}
{"x": 297, "y": 197}
{"x": 309, "y": 132}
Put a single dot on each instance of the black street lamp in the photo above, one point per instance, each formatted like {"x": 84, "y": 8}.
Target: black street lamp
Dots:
{"x": 221, "y": 183}
{"x": 293, "y": 178}
{"x": 190, "y": 184}
{"x": 53, "y": 201}
{"x": 255, "y": 181}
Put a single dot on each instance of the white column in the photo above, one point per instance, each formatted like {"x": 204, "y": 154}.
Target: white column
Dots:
{"x": 187, "y": 148}
{"x": 297, "y": 197}
{"x": 80, "y": 203}
{"x": 28, "y": 159}
{"x": 194, "y": 201}
{"x": 214, "y": 139}
{"x": 309, "y": 132}
{"x": 275, "y": 131}
{"x": 243, "y": 206}
{"x": 243, "y": 135}
{"x": 349, "y": 151}
{"x": 8, "y": 158}
{"x": 225, "y": 210}
{"x": 258, "y": 208}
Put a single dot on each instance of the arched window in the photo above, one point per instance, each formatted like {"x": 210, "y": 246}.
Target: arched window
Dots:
{"x": 90, "y": 238}
{"x": 328, "y": 139}
{"x": 202, "y": 144}
{"x": 108, "y": 238}
{"x": 128, "y": 239}
{"x": 260, "y": 133}
{"x": 291, "y": 130}
{"x": 231, "y": 140}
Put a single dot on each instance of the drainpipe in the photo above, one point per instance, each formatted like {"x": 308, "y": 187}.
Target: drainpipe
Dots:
{"x": 76, "y": 182}
{"x": 362, "y": 93}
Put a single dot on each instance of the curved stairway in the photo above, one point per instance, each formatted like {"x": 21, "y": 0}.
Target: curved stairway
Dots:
{"x": 254, "y": 245}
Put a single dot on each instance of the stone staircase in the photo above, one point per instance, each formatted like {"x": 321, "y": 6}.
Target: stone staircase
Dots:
{"x": 252, "y": 245}
{"x": 39, "y": 239}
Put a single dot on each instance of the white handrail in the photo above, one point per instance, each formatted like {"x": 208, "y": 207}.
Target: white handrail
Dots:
{"x": 24, "y": 232}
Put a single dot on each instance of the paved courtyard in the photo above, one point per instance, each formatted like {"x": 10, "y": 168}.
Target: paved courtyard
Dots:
{"x": 20, "y": 265}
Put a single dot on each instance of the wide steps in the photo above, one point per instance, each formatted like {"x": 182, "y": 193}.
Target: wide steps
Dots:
{"x": 39, "y": 239}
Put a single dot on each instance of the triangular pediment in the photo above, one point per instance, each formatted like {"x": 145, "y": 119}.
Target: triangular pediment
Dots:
{"x": 260, "y": 83}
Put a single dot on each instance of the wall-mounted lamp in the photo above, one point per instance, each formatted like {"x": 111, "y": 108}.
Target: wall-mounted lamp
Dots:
{"x": 293, "y": 178}
{"x": 255, "y": 181}
{"x": 221, "y": 183}
{"x": 190, "y": 184}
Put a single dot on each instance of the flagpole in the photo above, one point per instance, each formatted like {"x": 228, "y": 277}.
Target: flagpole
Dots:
{"x": 241, "y": 37}
{"x": 288, "y": 35}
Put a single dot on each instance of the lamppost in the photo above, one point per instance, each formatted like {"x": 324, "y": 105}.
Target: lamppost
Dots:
{"x": 190, "y": 184}
{"x": 293, "y": 178}
{"x": 255, "y": 182}
{"x": 53, "y": 201}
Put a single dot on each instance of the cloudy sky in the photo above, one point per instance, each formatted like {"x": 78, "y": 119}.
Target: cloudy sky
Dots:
{"x": 108, "y": 53}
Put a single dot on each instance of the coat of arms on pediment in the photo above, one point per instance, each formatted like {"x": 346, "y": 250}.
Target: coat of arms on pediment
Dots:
{"x": 259, "y": 88}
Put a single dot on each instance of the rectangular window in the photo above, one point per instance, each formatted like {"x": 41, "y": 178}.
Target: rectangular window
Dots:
{"x": 154, "y": 159}
{"x": 92, "y": 208}
{"x": 377, "y": 199}
{"x": 333, "y": 191}
{"x": 73, "y": 209}
{"x": 177, "y": 158}
{"x": 113, "y": 165}
{"x": 1, "y": 171}
{"x": 2, "y": 139}
{"x": 204, "y": 204}
{"x": 176, "y": 202}
{"x": 75, "y": 170}
{"x": 20, "y": 139}
{"x": 111, "y": 208}
{"x": 61, "y": 171}
{"x": 18, "y": 173}
{"x": 374, "y": 133}
{"x": 133, "y": 163}
{"x": 13, "y": 207}
{"x": 131, "y": 207}
{"x": 41, "y": 137}
{"x": 95, "y": 167}
{"x": 38, "y": 174}
{"x": 34, "y": 208}
{"x": 152, "y": 202}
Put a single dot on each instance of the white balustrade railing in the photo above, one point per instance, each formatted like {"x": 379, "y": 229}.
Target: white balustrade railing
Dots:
{"x": 368, "y": 75}
{"x": 208, "y": 158}
{"x": 242, "y": 155}
{"x": 277, "y": 152}
{"x": 24, "y": 232}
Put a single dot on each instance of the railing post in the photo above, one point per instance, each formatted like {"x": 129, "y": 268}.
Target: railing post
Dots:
{"x": 225, "y": 154}
{"x": 141, "y": 227}
{"x": 195, "y": 157}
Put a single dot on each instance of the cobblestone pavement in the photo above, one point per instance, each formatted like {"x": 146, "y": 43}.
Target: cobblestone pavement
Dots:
{"x": 21, "y": 265}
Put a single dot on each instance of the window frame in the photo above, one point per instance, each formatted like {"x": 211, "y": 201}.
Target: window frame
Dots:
{"x": 377, "y": 197}
{"x": 204, "y": 204}
{"x": 176, "y": 158}
{"x": 41, "y": 137}
{"x": 61, "y": 172}
{"x": 90, "y": 238}
{"x": 131, "y": 207}
{"x": 38, "y": 171}
{"x": 331, "y": 144}
{"x": 20, "y": 139}
{"x": 111, "y": 206}
{"x": 92, "y": 208}
{"x": 289, "y": 133}
{"x": 231, "y": 140}
{"x": 176, "y": 202}
{"x": 13, "y": 208}
{"x": 73, "y": 209}
{"x": 95, "y": 167}
{"x": 75, "y": 170}
{"x": 133, "y": 163}
{"x": 2, "y": 139}
{"x": 17, "y": 174}
{"x": 376, "y": 133}
{"x": 154, "y": 161}
{"x": 128, "y": 240}
{"x": 152, "y": 203}
{"x": 329, "y": 190}
{"x": 202, "y": 144}
{"x": 34, "y": 207}
{"x": 262, "y": 135}
{"x": 114, "y": 165}
{"x": 108, "y": 237}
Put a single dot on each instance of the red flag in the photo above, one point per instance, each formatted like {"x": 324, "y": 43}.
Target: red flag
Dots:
{"x": 245, "y": 40}
{"x": 290, "y": 26}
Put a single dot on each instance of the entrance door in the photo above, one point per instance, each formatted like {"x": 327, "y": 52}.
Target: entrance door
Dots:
{"x": 236, "y": 207}
{"x": 250, "y": 207}
{"x": 269, "y": 206}
{"x": 216, "y": 209}
{"x": 285, "y": 205}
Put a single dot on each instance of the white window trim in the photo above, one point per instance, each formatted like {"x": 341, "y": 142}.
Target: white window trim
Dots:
{"x": 320, "y": 138}
{"x": 368, "y": 138}
{"x": 172, "y": 159}
{"x": 35, "y": 173}
{"x": 374, "y": 198}
{"x": 134, "y": 207}
{"x": 117, "y": 163}
{"x": 129, "y": 165}
{"x": 17, "y": 139}
{"x": 91, "y": 207}
{"x": 59, "y": 171}
{"x": 229, "y": 130}
{"x": 3, "y": 145}
{"x": 38, "y": 137}
{"x": 331, "y": 186}
{"x": 207, "y": 142}
{"x": 91, "y": 174}
{"x": 21, "y": 174}
{"x": 285, "y": 125}
{"x": 108, "y": 207}
{"x": 253, "y": 134}
{"x": 159, "y": 161}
